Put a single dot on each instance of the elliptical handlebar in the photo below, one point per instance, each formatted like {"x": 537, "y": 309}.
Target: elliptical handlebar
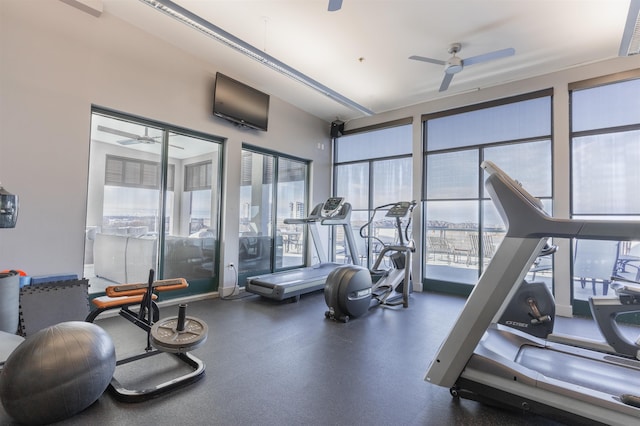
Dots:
{"x": 366, "y": 225}
{"x": 397, "y": 210}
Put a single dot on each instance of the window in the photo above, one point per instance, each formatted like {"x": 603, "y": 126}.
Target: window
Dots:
{"x": 462, "y": 227}
{"x": 135, "y": 173}
{"x": 371, "y": 169}
{"x": 605, "y": 153}
{"x": 197, "y": 176}
{"x": 153, "y": 203}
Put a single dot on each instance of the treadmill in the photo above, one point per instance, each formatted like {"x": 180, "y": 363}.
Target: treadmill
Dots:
{"x": 498, "y": 365}
{"x": 292, "y": 283}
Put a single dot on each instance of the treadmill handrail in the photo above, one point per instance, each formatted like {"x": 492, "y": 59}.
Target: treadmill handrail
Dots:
{"x": 341, "y": 217}
{"x": 314, "y": 216}
{"x": 524, "y": 216}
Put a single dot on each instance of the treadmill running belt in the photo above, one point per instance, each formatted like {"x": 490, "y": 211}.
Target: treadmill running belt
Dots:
{"x": 290, "y": 284}
{"x": 598, "y": 375}
{"x": 293, "y": 276}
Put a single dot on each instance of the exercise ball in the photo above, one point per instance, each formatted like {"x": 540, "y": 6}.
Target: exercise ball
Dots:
{"x": 57, "y": 372}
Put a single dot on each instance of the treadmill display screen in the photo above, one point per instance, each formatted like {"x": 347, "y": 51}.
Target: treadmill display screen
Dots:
{"x": 331, "y": 206}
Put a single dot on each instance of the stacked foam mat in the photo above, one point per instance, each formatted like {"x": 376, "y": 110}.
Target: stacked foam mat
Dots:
{"x": 53, "y": 302}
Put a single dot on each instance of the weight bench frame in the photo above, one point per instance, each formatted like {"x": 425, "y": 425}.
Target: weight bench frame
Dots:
{"x": 124, "y": 296}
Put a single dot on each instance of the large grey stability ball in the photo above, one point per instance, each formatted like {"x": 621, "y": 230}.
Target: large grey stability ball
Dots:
{"x": 57, "y": 372}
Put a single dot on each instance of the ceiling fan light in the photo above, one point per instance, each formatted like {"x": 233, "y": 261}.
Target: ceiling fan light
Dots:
{"x": 453, "y": 65}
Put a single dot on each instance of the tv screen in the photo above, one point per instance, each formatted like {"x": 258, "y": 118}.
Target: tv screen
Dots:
{"x": 240, "y": 103}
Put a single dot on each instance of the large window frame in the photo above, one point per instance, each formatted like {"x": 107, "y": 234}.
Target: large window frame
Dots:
{"x": 604, "y": 175}
{"x": 461, "y": 229}
{"x": 136, "y": 163}
{"x": 271, "y": 245}
{"x": 360, "y": 154}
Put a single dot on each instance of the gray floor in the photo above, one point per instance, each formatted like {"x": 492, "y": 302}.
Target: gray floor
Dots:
{"x": 283, "y": 364}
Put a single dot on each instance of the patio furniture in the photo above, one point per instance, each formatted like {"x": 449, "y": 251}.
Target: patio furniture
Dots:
{"x": 595, "y": 261}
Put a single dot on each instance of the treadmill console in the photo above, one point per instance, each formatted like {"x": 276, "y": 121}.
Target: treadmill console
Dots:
{"x": 332, "y": 206}
{"x": 491, "y": 168}
{"x": 400, "y": 209}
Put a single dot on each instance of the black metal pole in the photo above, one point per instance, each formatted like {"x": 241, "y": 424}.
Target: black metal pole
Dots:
{"x": 182, "y": 311}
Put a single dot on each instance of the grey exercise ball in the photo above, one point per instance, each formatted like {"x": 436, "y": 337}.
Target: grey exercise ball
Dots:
{"x": 57, "y": 372}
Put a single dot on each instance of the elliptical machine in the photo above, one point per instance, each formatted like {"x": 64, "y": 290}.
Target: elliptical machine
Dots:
{"x": 351, "y": 290}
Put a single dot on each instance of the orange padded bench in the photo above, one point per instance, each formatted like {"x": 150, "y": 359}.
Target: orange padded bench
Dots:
{"x": 141, "y": 288}
{"x": 123, "y": 295}
{"x": 110, "y": 302}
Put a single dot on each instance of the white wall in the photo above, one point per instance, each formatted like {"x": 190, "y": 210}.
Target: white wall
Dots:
{"x": 559, "y": 82}
{"x": 55, "y": 62}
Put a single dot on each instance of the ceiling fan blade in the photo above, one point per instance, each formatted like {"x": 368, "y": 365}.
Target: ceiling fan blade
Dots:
{"x": 129, "y": 142}
{"x": 118, "y": 132}
{"x": 176, "y": 146}
{"x": 430, "y": 60}
{"x": 489, "y": 56}
{"x": 445, "y": 82}
{"x": 334, "y": 5}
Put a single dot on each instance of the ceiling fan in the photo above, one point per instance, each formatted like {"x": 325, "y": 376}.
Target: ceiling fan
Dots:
{"x": 132, "y": 138}
{"x": 334, "y": 5}
{"x": 454, "y": 64}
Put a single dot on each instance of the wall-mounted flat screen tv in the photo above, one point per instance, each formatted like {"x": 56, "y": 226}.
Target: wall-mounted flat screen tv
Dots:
{"x": 240, "y": 103}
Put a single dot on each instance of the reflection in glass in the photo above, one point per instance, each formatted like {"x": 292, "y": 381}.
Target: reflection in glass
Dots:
{"x": 256, "y": 204}
{"x": 292, "y": 185}
{"x": 266, "y": 243}
{"x": 193, "y": 210}
{"x": 124, "y": 202}
{"x": 141, "y": 195}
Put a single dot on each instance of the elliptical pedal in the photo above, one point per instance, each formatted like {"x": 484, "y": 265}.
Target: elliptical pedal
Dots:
{"x": 330, "y": 314}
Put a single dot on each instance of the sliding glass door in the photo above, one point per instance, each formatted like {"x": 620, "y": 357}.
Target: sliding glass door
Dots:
{"x": 291, "y": 193}
{"x": 189, "y": 243}
{"x": 153, "y": 203}
{"x": 273, "y": 188}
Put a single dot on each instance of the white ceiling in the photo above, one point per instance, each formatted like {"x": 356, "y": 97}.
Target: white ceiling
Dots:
{"x": 362, "y": 50}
